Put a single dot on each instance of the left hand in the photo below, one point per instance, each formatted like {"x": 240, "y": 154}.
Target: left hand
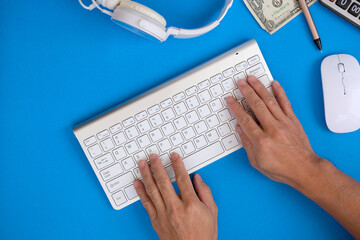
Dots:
{"x": 192, "y": 215}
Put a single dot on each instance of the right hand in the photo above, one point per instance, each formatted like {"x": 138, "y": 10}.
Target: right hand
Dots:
{"x": 278, "y": 147}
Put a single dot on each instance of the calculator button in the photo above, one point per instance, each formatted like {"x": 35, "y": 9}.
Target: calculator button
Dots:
{"x": 354, "y": 9}
{"x": 343, "y": 3}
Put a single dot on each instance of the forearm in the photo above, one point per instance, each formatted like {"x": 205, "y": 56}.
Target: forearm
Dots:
{"x": 335, "y": 192}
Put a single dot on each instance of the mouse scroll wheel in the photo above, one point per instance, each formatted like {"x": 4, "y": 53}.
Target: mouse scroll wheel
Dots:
{"x": 341, "y": 67}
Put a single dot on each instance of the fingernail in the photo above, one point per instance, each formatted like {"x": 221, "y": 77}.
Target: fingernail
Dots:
{"x": 142, "y": 164}
{"x": 174, "y": 156}
{"x": 242, "y": 82}
{"x": 238, "y": 129}
{"x": 152, "y": 157}
{"x": 252, "y": 79}
{"x": 230, "y": 99}
{"x": 276, "y": 83}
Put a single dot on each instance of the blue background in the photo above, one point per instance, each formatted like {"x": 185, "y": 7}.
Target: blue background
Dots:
{"x": 60, "y": 64}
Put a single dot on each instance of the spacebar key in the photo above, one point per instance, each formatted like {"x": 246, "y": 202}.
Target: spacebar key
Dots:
{"x": 203, "y": 155}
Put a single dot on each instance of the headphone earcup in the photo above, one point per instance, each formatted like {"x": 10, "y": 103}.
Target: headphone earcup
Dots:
{"x": 143, "y": 10}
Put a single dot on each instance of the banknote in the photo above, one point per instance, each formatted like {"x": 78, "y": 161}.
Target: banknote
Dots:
{"x": 273, "y": 14}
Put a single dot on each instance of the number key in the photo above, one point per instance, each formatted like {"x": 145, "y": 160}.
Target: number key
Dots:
{"x": 343, "y": 3}
{"x": 354, "y": 9}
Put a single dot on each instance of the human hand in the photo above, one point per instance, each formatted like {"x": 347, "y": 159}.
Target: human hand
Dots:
{"x": 190, "y": 215}
{"x": 279, "y": 147}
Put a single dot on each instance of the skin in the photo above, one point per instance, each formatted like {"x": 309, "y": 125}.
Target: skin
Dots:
{"x": 277, "y": 147}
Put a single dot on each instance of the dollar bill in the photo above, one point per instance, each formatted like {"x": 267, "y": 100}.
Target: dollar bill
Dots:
{"x": 274, "y": 14}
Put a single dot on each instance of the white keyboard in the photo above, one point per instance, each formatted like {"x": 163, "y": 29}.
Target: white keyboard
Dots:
{"x": 187, "y": 115}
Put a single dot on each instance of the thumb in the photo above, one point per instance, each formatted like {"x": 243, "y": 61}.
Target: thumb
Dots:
{"x": 204, "y": 194}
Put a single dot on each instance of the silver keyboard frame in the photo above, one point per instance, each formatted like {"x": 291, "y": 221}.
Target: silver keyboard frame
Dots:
{"x": 162, "y": 92}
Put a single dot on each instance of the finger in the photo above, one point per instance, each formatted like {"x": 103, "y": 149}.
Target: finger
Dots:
{"x": 244, "y": 119}
{"x": 163, "y": 182}
{"x": 256, "y": 104}
{"x": 247, "y": 144}
{"x": 267, "y": 97}
{"x": 204, "y": 193}
{"x": 283, "y": 100}
{"x": 145, "y": 199}
{"x": 150, "y": 186}
{"x": 182, "y": 178}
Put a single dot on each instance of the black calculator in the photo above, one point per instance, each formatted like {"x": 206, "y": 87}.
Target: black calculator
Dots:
{"x": 347, "y": 9}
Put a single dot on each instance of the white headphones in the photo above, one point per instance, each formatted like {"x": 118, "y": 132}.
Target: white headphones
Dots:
{"x": 146, "y": 22}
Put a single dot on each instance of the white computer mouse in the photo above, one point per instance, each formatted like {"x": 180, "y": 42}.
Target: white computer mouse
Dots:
{"x": 340, "y": 75}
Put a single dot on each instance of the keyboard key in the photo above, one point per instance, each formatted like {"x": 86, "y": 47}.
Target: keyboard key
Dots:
{"x": 130, "y": 192}
{"x": 203, "y": 156}
{"x": 216, "y": 105}
{"x": 131, "y": 132}
{"x": 253, "y": 60}
{"x": 224, "y": 130}
{"x": 188, "y": 133}
{"x": 230, "y": 142}
{"x": 166, "y": 103}
{"x": 137, "y": 173}
{"x": 120, "y": 182}
{"x": 176, "y": 139}
{"x": 256, "y": 70}
{"x": 165, "y": 159}
{"x": 144, "y": 126}
{"x": 180, "y": 108}
{"x": 179, "y": 97}
{"x": 245, "y": 104}
{"x": 131, "y": 147}
{"x": 204, "y": 111}
{"x": 265, "y": 80}
{"x": 168, "y": 114}
{"x": 164, "y": 145}
{"x": 200, "y": 127}
{"x": 170, "y": 172}
{"x": 204, "y": 84}
{"x": 168, "y": 129}
{"x": 107, "y": 145}
{"x": 212, "y": 121}
{"x": 344, "y": 4}
{"x": 216, "y": 78}
{"x": 111, "y": 172}
{"x": 180, "y": 123}
{"x": 212, "y": 135}
{"x": 228, "y": 72}
{"x": 156, "y": 120}
{"x": 241, "y": 66}
{"x": 224, "y": 97}
{"x": 238, "y": 95}
{"x": 153, "y": 109}
{"x": 95, "y": 151}
{"x": 354, "y": 9}
{"x": 239, "y": 76}
{"x": 128, "y": 163}
{"x": 228, "y": 84}
{"x": 192, "y": 117}
{"x": 140, "y": 156}
{"x": 128, "y": 122}
{"x": 224, "y": 115}
{"x": 200, "y": 142}
{"x": 141, "y": 115}
{"x": 178, "y": 151}
{"x": 152, "y": 150}
{"x": 144, "y": 141}
{"x": 103, "y": 134}
{"x": 104, "y": 161}
{"x": 90, "y": 140}
{"x": 204, "y": 96}
{"x": 115, "y": 128}
{"x": 216, "y": 90}
{"x": 188, "y": 147}
{"x": 119, "y": 153}
{"x": 155, "y": 135}
{"x": 119, "y": 198}
{"x": 233, "y": 124}
{"x": 191, "y": 90}
{"x": 192, "y": 102}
